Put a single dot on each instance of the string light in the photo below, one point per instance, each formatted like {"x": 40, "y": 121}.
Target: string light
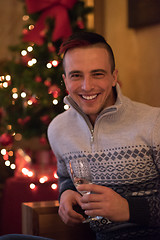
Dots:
{"x": 23, "y": 53}
{"x": 9, "y": 127}
{"x": 30, "y": 174}
{"x": 30, "y": 102}
{"x": 49, "y": 65}
{"x": 55, "y": 63}
{"x": 14, "y": 90}
{"x": 7, "y": 163}
{"x": 66, "y": 106}
{"x": 15, "y": 95}
{"x": 55, "y": 101}
{"x": 8, "y": 77}
{"x": 30, "y": 48}
{"x": 5, "y": 84}
{"x": 10, "y": 153}
{"x": 31, "y": 27}
{"x": 55, "y": 175}
{"x": 54, "y": 186}
{"x": 32, "y": 186}
{"x": 13, "y": 166}
{"x": 43, "y": 179}
{"x": 25, "y": 18}
{"x": 3, "y": 151}
{"x": 18, "y": 137}
{"x": 32, "y": 62}
{"x": 23, "y": 94}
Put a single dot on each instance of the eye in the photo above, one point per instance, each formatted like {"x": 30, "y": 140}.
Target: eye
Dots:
{"x": 75, "y": 76}
{"x": 98, "y": 75}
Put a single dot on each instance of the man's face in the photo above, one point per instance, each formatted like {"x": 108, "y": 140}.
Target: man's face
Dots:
{"x": 89, "y": 80}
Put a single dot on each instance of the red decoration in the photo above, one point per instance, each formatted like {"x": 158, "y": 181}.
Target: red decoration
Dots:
{"x": 23, "y": 121}
{"x": 54, "y": 90}
{"x": 6, "y": 139}
{"x": 57, "y": 9}
{"x": 51, "y": 48}
{"x": 47, "y": 82}
{"x": 38, "y": 79}
{"x": 80, "y": 23}
{"x": 45, "y": 119}
{"x": 43, "y": 140}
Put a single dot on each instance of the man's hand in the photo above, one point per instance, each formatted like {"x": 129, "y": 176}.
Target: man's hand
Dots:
{"x": 105, "y": 202}
{"x": 68, "y": 200}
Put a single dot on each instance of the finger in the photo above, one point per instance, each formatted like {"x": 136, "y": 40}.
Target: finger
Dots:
{"x": 70, "y": 217}
{"x": 91, "y": 188}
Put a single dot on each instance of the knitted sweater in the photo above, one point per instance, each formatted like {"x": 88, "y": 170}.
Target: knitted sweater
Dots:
{"x": 123, "y": 150}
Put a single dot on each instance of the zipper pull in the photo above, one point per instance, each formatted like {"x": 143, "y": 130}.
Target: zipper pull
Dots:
{"x": 92, "y": 137}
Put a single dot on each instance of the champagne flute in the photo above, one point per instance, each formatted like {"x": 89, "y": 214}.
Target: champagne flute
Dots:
{"x": 80, "y": 172}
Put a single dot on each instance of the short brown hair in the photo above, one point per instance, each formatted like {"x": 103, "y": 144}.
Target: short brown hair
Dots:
{"x": 82, "y": 39}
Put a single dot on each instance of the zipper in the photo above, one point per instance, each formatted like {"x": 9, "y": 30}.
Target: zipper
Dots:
{"x": 92, "y": 136}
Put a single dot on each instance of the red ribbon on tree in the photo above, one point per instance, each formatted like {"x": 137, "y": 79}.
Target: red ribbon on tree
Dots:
{"x": 57, "y": 9}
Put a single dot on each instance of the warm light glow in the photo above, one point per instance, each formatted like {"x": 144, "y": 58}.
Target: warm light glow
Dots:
{"x": 30, "y": 102}
{"x": 3, "y": 151}
{"x": 55, "y": 175}
{"x": 54, "y": 186}
{"x": 10, "y": 153}
{"x": 49, "y": 65}
{"x": 23, "y": 94}
{"x": 25, "y": 17}
{"x": 9, "y": 127}
{"x": 18, "y": 137}
{"x": 14, "y": 90}
{"x": 25, "y": 171}
{"x": 30, "y": 174}
{"x": 13, "y": 166}
{"x": 55, "y": 63}
{"x": 1, "y": 78}
{"x": 7, "y": 163}
{"x": 55, "y": 101}
{"x": 5, "y": 84}
{"x": 23, "y": 53}
{"x": 30, "y": 49}
{"x": 30, "y": 63}
{"x": 8, "y": 77}
{"x": 31, "y": 27}
{"x": 32, "y": 186}
{"x": 43, "y": 179}
{"x": 66, "y": 107}
{"x": 34, "y": 60}
{"x": 15, "y": 95}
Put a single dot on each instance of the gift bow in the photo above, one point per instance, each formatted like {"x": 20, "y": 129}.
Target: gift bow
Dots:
{"x": 57, "y": 9}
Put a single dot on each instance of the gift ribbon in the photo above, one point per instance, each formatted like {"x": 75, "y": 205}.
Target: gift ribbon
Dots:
{"x": 57, "y": 9}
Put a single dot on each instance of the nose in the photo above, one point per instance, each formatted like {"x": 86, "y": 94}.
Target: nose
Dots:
{"x": 87, "y": 83}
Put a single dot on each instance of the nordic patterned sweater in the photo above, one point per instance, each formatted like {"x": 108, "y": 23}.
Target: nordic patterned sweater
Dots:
{"x": 123, "y": 150}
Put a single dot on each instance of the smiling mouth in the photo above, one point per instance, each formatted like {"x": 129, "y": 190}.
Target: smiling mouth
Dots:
{"x": 89, "y": 97}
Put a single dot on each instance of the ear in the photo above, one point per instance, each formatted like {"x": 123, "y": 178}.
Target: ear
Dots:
{"x": 115, "y": 76}
{"x": 64, "y": 79}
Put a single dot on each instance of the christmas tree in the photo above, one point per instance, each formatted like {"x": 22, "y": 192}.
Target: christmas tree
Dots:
{"x": 31, "y": 86}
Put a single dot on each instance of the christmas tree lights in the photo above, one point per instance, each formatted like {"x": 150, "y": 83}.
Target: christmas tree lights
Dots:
{"x": 31, "y": 85}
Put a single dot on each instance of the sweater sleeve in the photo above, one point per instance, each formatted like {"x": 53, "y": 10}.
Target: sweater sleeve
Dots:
{"x": 64, "y": 182}
{"x": 145, "y": 209}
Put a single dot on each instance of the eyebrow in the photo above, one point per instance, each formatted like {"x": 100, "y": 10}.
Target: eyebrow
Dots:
{"x": 99, "y": 70}
{"x": 92, "y": 71}
{"x": 74, "y": 71}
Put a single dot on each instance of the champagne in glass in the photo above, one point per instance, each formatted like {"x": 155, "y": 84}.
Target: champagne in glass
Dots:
{"x": 80, "y": 172}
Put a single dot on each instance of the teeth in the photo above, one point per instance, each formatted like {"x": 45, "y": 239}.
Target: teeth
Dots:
{"x": 89, "y": 97}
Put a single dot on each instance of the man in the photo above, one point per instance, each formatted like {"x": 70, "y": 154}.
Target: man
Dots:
{"x": 119, "y": 137}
